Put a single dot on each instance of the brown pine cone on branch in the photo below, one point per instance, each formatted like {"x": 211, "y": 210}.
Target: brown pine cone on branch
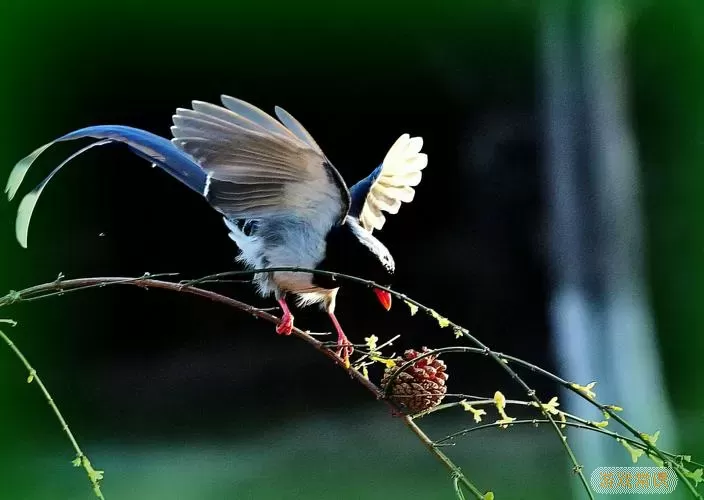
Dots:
{"x": 419, "y": 387}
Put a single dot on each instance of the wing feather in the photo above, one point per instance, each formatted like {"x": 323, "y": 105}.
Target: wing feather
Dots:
{"x": 254, "y": 114}
{"x": 295, "y": 126}
{"x": 257, "y": 167}
{"x": 391, "y": 184}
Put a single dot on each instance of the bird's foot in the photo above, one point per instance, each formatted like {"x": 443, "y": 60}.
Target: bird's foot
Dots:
{"x": 286, "y": 322}
{"x": 344, "y": 347}
{"x": 285, "y": 325}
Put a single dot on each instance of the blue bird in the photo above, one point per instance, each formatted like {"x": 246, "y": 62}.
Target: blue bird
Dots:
{"x": 283, "y": 202}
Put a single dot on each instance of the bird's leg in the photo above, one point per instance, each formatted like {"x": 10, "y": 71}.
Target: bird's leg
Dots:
{"x": 344, "y": 348}
{"x": 286, "y": 322}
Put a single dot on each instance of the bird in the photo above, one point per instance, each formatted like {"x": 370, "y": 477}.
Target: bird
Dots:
{"x": 283, "y": 202}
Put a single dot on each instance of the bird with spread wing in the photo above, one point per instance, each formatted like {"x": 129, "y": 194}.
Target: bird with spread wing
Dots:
{"x": 282, "y": 200}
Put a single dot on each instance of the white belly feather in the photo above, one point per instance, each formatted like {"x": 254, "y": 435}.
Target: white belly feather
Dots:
{"x": 284, "y": 243}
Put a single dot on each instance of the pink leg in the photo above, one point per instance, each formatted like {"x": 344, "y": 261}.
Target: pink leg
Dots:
{"x": 286, "y": 323}
{"x": 343, "y": 345}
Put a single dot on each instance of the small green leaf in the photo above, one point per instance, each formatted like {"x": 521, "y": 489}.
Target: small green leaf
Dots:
{"x": 32, "y": 373}
{"x": 695, "y": 476}
{"x": 550, "y": 406}
{"x": 476, "y": 412}
{"x": 76, "y": 462}
{"x": 500, "y": 403}
{"x": 489, "y": 495}
{"x": 504, "y": 422}
{"x": 459, "y": 332}
{"x": 412, "y": 307}
{"x": 390, "y": 363}
{"x": 95, "y": 475}
{"x": 650, "y": 439}
{"x": 371, "y": 342}
{"x": 585, "y": 389}
{"x": 442, "y": 321}
{"x": 636, "y": 453}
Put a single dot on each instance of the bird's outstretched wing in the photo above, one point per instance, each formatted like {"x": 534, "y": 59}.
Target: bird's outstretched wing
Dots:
{"x": 390, "y": 184}
{"x": 258, "y": 167}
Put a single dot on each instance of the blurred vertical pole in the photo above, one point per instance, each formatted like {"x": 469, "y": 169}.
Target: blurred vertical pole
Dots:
{"x": 574, "y": 293}
{"x": 631, "y": 355}
{"x": 599, "y": 312}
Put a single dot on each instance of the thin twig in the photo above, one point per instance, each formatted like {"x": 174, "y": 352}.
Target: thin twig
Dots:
{"x": 378, "y": 348}
{"x": 573, "y": 421}
{"x": 94, "y": 476}
{"x": 579, "y": 423}
{"x": 501, "y": 359}
{"x": 531, "y": 393}
{"x": 534, "y": 422}
{"x": 49, "y": 289}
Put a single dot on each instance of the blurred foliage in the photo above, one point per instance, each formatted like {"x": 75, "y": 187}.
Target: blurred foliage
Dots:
{"x": 292, "y": 451}
{"x": 667, "y": 77}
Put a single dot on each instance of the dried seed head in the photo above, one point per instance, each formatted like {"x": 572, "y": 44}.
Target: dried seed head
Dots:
{"x": 419, "y": 387}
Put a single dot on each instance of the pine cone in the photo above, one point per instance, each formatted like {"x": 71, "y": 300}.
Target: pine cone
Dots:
{"x": 420, "y": 386}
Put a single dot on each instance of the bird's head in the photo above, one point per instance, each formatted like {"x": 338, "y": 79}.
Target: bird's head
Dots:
{"x": 376, "y": 262}
{"x": 353, "y": 250}
{"x": 385, "y": 274}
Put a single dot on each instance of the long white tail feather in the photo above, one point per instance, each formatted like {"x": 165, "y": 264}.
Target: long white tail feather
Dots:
{"x": 26, "y": 208}
{"x": 20, "y": 170}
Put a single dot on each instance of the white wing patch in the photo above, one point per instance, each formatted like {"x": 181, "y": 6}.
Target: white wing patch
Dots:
{"x": 400, "y": 171}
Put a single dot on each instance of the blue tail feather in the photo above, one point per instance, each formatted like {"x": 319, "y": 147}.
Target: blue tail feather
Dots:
{"x": 144, "y": 144}
{"x": 152, "y": 148}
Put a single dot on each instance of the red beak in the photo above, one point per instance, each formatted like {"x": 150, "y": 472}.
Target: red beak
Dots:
{"x": 384, "y": 297}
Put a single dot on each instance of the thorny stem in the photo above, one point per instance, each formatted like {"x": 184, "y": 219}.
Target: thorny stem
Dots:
{"x": 578, "y": 422}
{"x": 501, "y": 359}
{"x": 535, "y": 422}
{"x": 605, "y": 409}
{"x": 498, "y": 358}
{"x": 81, "y": 458}
{"x": 49, "y": 289}
{"x": 653, "y": 449}
{"x": 457, "y": 328}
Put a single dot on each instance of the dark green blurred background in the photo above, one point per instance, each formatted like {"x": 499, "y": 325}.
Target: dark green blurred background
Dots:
{"x": 176, "y": 398}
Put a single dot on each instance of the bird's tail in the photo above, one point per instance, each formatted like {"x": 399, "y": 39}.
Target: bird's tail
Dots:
{"x": 159, "y": 151}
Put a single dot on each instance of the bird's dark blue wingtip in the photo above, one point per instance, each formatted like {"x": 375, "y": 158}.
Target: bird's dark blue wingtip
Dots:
{"x": 359, "y": 192}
